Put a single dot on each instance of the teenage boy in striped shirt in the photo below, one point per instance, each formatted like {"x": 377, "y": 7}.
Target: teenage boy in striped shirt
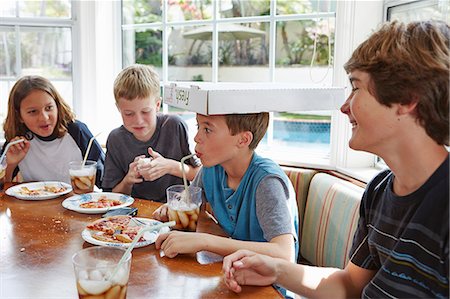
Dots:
{"x": 399, "y": 110}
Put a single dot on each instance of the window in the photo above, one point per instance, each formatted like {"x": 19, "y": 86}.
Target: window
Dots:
{"x": 36, "y": 39}
{"x": 242, "y": 41}
{"x": 408, "y": 11}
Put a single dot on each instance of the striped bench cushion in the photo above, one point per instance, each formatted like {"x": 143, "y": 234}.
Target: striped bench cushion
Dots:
{"x": 330, "y": 220}
{"x": 300, "y": 178}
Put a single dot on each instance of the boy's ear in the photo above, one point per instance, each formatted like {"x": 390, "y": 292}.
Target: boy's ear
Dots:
{"x": 409, "y": 108}
{"x": 245, "y": 139}
{"x": 158, "y": 104}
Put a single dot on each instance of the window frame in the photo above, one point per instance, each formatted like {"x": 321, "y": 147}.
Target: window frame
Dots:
{"x": 355, "y": 20}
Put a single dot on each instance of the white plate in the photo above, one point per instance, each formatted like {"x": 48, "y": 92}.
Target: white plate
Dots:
{"x": 150, "y": 237}
{"x": 15, "y": 190}
{"x": 73, "y": 202}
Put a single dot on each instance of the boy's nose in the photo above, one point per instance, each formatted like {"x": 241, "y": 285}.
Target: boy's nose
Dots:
{"x": 345, "y": 108}
{"x": 196, "y": 138}
{"x": 139, "y": 118}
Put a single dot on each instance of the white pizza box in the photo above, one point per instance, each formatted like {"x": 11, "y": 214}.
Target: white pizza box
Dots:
{"x": 228, "y": 98}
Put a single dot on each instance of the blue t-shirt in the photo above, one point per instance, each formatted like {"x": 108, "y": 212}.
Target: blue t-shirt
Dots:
{"x": 236, "y": 210}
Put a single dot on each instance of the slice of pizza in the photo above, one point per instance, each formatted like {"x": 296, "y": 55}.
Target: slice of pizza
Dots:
{"x": 101, "y": 236}
{"x": 54, "y": 189}
{"x": 111, "y": 224}
{"x": 29, "y": 192}
{"x": 102, "y": 202}
{"x": 115, "y": 229}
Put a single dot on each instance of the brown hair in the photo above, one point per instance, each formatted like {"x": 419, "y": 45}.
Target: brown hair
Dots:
{"x": 256, "y": 123}
{"x": 13, "y": 125}
{"x": 137, "y": 81}
{"x": 410, "y": 63}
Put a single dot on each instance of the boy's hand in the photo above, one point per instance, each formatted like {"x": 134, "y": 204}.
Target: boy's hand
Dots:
{"x": 245, "y": 267}
{"x": 18, "y": 151}
{"x": 175, "y": 242}
{"x": 161, "y": 213}
{"x": 158, "y": 167}
{"x": 133, "y": 176}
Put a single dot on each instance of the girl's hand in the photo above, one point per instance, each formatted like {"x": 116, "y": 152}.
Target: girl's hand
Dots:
{"x": 17, "y": 152}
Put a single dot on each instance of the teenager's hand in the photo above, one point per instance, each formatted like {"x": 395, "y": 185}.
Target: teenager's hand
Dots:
{"x": 161, "y": 213}
{"x": 176, "y": 242}
{"x": 133, "y": 177}
{"x": 245, "y": 267}
{"x": 158, "y": 166}
{"x": 17, "y": 152}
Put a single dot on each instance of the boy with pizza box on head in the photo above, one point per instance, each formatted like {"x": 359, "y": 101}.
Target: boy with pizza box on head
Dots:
{"x": 162, "y": 138}
{"x": 251, "y": 196}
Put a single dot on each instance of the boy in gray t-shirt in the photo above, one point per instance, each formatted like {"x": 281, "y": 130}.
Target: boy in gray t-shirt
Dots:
{"x": 163, "y": 139}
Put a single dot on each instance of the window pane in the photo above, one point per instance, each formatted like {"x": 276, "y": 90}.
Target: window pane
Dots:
{"x": 297, "y": 133}
{"x": 7, "y": 52}
{"x": 305, "y": 48}
{"x": 420, "y": 11}
{"x": 141, "y": 11}
{"x": 143, "y": 46}
{"x": 287, "y": 7}
{"x": 190, "y": 55}
{"x": 243, "y": 8}
{"x": 8, "y": 8}
{"x": 5, "y": 87}
{"x": 46, "y": 51}
{"x": 185, "y": 10}
{"x": 45, "y": 8}
{"x": 244, "y": 52}
{"x": 65, "y": 89}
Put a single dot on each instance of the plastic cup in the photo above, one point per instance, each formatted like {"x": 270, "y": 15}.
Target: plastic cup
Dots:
{"x": 2, "y": 174}
{"x": 82, "y": 177}
{"x": 93, "y": 269}
{"x": 183, "y": 210}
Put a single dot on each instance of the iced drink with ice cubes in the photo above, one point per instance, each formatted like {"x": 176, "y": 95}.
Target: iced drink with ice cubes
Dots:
{"x": 2, "y": 173}
{"x": 184, "y": 207}
{"x": 82, "y": 177}
{"x": 93, "y": 269}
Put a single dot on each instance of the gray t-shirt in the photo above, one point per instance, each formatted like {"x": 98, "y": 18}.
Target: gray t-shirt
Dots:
{"x": 170, "y": 140}
{"x": 272, "y": 206}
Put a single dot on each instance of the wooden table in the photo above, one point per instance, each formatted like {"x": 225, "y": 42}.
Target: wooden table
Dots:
{"x": 38, "y": 239}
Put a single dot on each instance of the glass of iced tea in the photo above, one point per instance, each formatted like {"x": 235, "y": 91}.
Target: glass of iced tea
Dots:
{"x": 94, "y": 267}
{"x": 184, "y": 207}
{"x": 82, "y": 176}
{"x": 2, "y": 173}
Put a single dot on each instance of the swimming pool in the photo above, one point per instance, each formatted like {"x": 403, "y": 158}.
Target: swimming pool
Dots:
{"x": 293, "y": 134}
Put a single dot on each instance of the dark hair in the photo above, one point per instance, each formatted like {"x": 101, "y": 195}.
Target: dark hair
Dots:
{"x": 256, "y": 123}
{"x": 410, "y": 63}
{"x": 22, "y": 88}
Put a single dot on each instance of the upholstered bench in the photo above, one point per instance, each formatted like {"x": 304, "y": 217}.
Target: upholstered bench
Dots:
{"x": 328, "y": 216}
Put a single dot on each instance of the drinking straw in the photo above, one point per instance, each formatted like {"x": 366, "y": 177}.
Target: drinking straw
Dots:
{"x": 7, "y": 148}
{"x": 186, "y": 189}
{"x": 88, "y": 149}
{"x": 144, "y": 229}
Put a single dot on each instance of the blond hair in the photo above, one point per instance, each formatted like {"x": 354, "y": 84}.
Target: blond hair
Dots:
{"x": 13, "y": 125}
{"x": 137, "y": 81}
